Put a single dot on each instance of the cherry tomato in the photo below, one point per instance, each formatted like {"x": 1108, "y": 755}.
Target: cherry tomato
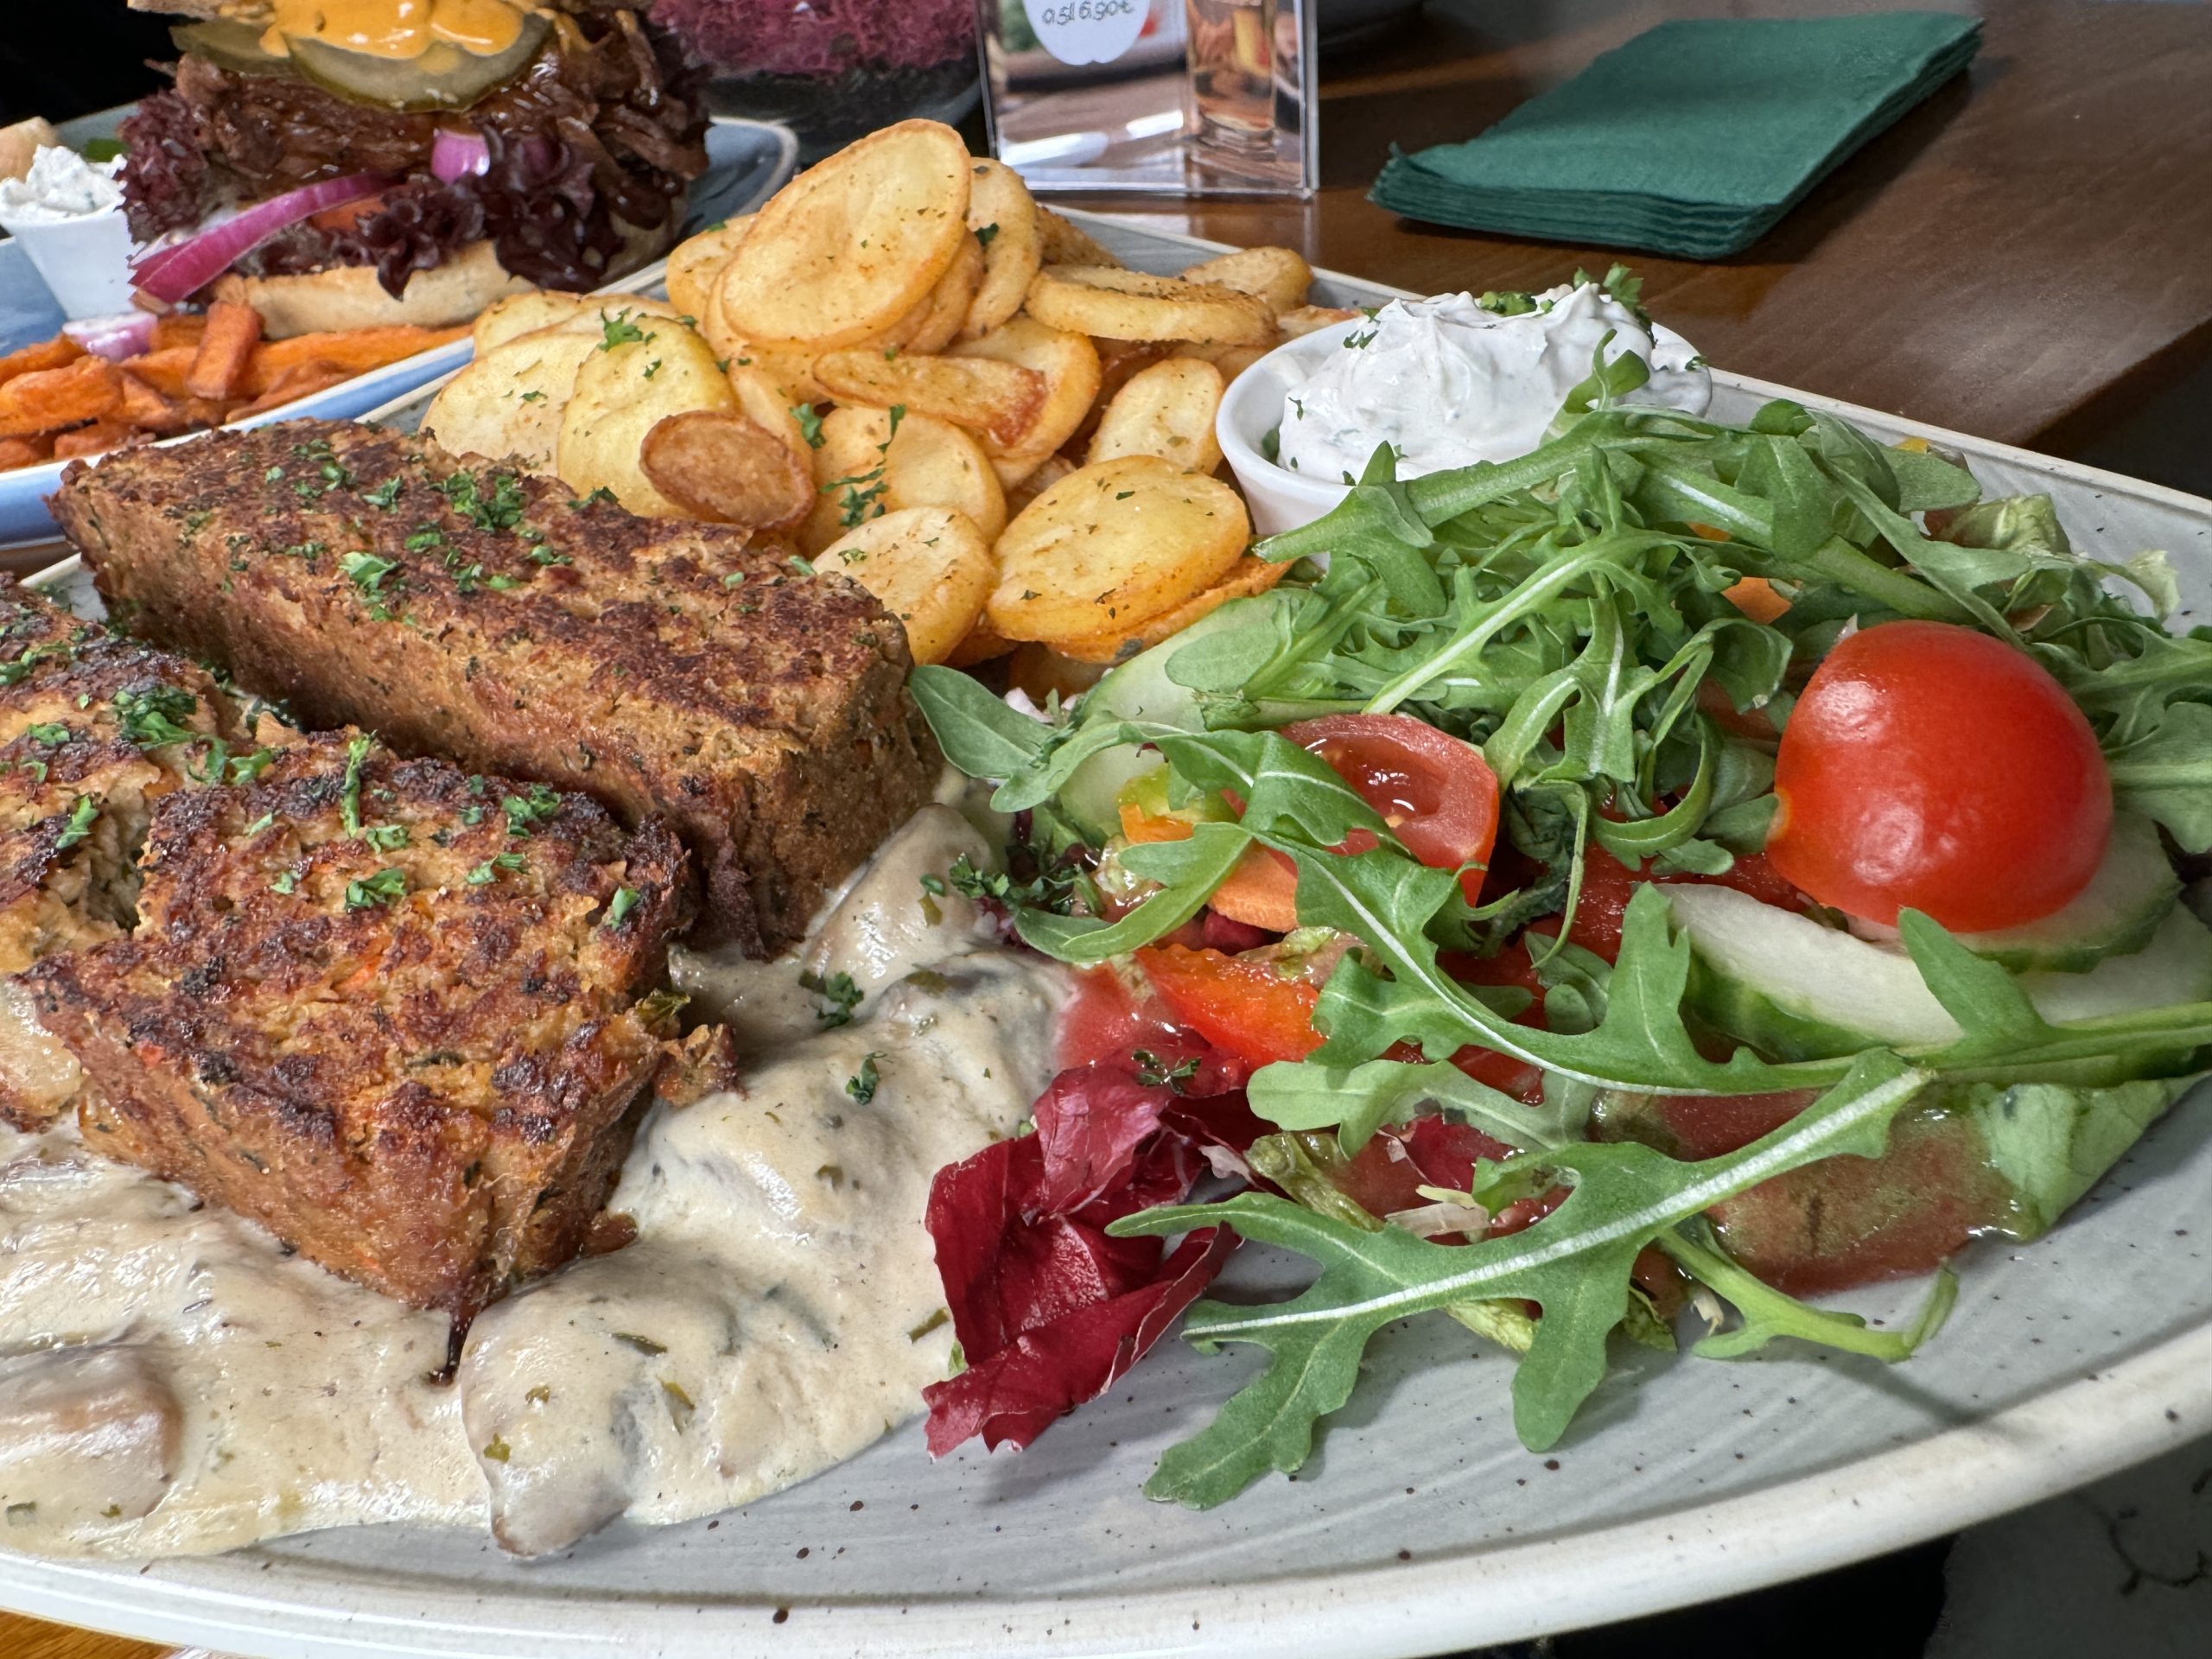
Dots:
{"x": 1930, "y": 766}
{"x": 1435, "y": 791}
{"x": 1242, "y": 1006}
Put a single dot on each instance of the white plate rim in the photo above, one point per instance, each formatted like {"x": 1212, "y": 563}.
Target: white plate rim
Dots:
{"x": 2151, "y": 1401}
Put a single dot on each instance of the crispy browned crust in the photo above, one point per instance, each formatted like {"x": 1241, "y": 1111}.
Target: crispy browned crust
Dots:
{"x": 80, "y": 714}
{"x": 430, "y": 1091}
{"x": 662, "y": 667}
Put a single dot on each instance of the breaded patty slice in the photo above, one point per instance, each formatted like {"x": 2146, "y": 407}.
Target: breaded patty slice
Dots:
{"x": 399, "y": 1014}
{"x": 93, "y": 730}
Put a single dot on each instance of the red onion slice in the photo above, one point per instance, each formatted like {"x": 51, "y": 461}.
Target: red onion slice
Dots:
{"x": 459, "y": 154}
{"x": 113, "y": 337}
{"x": 172, "y": 274}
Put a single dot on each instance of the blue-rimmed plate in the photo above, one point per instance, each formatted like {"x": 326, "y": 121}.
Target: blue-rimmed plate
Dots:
{"x": 747, "y": 161}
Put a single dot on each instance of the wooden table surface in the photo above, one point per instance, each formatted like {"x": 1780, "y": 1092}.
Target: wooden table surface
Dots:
{"x": 2027, "y": 255}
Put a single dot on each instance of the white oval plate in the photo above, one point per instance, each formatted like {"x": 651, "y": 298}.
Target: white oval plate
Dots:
{"x": 1422, "y": 1525}
{"x": 747, "y": 160}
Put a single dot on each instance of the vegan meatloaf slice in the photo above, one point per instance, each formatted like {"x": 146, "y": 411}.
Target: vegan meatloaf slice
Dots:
{"x": 455, "y": 608}
{"x": 93, "y": 730}
{"x": 399, "y": 1014}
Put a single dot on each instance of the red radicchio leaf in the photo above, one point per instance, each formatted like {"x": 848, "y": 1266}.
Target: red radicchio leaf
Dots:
{"x": 1019, "y": 1392}
{"x": 1091, "y": 1121}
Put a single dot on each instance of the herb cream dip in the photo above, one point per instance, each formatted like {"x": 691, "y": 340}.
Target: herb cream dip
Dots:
{"x": 1453, "y": 380}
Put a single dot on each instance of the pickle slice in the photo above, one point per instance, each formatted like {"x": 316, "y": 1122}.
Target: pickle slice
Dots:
{"x": 229, "y": 45}
{"x": 442, "y": 78}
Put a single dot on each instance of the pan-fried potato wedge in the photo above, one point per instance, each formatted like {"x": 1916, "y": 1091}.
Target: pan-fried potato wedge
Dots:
{"x": 930, "y": 567}
{"x": 1275, "y": 275}
{"x": 1065, "y": 244}
{"x": 1005, "y": 218}
{"x": 763, "y": 403}
{"x": 1248, "y": 575}
{"x": 509, "y": 402}
{"x": 621, "y": 394}
{"x": 721, "y": 465}
{"x": 1166, "y": 410}
{"x": 1114, "y": 544}
{"x": 696, "y": 262}
{"x": 851, "y": 245}
{"x": 865, "y": 466}
{"x": 1069, "y": 363}
{"x": 1305, "y": 319}
{"x": 984, "y": 394}
{"x": 1133, "y": 305}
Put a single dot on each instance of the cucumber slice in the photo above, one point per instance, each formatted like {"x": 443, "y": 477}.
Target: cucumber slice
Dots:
{"x": 1795, "y": 990}
{"x": 1140, "y": 689}
{"x": 2125, "y": 901}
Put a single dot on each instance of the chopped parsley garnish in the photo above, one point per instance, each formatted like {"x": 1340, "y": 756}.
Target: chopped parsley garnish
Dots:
{"x": 525, "y": 812}
{"x": 861, "y": 1085}
{"x": 426, "y": 537}
{"x": 261, "y": 823}
{"x": 488, "y": 872}
{"x": 385, "y": 494}
{"x": 366, "y": 571}
{"x": 803, "y": 565}
{"x": 349, "y": 794}
{"x": 16, "y": 672}
{"x": 839, "y": 991}
{"x": 652, "y": 368}
{"x": 547, "y": 556}
{"x": 500, "y": 507}
{"x": 619, "y": 907}
{"x": 286, "y": 882}
{"x": 48, "y": 732}
{"x": 619, "y": 330}
{"x": 986, "y": 234}
{"x": 810, "y": 424}
{"x": 1156, "y": 1073}
{"x": 382, "y": 888}
{"x": 533, "y": 395}
{"x": 385, "y": 837}
{"x": 82, "y": 813}
{"x": 149, "y": 717}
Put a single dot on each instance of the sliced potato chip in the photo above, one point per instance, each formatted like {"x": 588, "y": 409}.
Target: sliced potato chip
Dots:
{"x": 1004, "y": 217}
{"x": 942, "y": 315}
{"x": 1166, "y": 410}
{"x": 933, "y": 463}
{"x": 1133, "y": 305}
{"x": 761, "y": 401}
{"x": 622, "y": 392}
{"x": 850, "y": 465}
{"x": 507, "y": 404}
{"x": 1305, "y": 319}
{"x": 852, "y": 243}
{"x": 930, "y": 567}
{"x": 1112, "y": 544}
{"x": 1275, "y": 275}
{"x": 1069, "y": 363}
{"x": 1248, "y": 575}
{"x": 522, "y": 313}
{"x": 984, "y": 394}
{"x": 696, "y": 262}
{"x": 1065, "y": 243}
{"x": 721, "y": 465}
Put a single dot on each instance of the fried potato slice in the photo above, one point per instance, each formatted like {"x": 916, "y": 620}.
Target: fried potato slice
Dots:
{"x": 867, "y": 465}
{"x": 696, "y": 262}
{"x": 855, "y": 242}
{"x": 981, "y": 645}
{"x": 1113, "y": 544}
{"x": 723, "y": 467}
{"x": 1064, "y": 244}
{"x": 1167, "y": 410}
{"x": 1248, "y": 576}
{"x": 989, "y": 396}
{"x": 1050, "y": 471}
{"x": 937, "y": 320}
{"x": 1134, "y": 305}
{"x": 529, "y": 313}
{"x": 622, "y": 392}
{"x": 1010, "y": 234}
{"x": 1069, "y": 363}
{"x": 1277, "y": 276}
{"x": 930, "y": 567}
{"x": 1305, "y": 319}
{"x": 509, "y": 402}
{"x": 761, "y": 401}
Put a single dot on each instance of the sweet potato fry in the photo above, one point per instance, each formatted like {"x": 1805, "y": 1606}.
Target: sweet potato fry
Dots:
{"x": 219, "y": 365}
{"x": 180, "y": 328}
{"x": 47, "y": 400}
{"x": 55, "y": 354}
{"x": 95, "y": 439}
{"x": 354, "y": 350}
{"x": 163, "y": 369}
{"x": 300, "y": 380}
{"x": 23, "y": 451}
{"x": 143, "y": 406}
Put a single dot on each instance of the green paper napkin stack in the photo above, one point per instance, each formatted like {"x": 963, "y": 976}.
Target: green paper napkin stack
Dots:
{"x": 1694, "y": 139}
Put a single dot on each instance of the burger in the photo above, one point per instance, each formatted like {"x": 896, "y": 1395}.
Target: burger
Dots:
{"x": 351, "y": 163}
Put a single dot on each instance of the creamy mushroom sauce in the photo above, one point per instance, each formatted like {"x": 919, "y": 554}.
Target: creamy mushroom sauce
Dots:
{"x": 171, "y": 1381}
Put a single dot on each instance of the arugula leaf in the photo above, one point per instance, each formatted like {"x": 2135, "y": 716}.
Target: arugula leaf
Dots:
{"x": 1768, "y": 1313}
{"x": 1188, "y": 872}
{"x": 2166, "y": 774}
{"x": 2051, "y": 1143}
{"x": 1359, "y": 1100}
{"x": 1574, "y": 1263}
{"x": 977, "y": 731}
